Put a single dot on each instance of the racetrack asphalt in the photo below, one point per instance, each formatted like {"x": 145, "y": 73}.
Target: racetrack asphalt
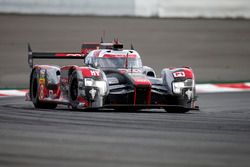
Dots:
{"x": 217, "y": 50}
{"x": 218, "y": 135}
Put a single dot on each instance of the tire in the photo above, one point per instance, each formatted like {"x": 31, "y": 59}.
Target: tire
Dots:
{"x": 126, "y": 109}
{"x": 73, "y": 90}
{"x": 176, "y": 110}
{"x": 182, "y": 103}
{"x": 34, "y": 87}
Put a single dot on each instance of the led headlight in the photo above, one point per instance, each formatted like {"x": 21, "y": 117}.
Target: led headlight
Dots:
{"x": 102, "y": 87}
{"x": 177, "y": 87}
{"x": 89, "y": 82}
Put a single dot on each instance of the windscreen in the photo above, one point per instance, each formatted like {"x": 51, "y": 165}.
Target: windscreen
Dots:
{"x": 118, "y": 62}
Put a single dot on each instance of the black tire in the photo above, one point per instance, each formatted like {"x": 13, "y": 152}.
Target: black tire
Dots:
{"x": 34, "y": 86}
{"x": 126, "y": 109}
{"x": 176, "y": 110}
{"x": 73, "y": 90}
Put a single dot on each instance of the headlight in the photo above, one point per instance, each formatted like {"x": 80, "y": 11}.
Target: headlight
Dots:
{"x": 188, "y": 83}
{"x": 89, "y": 82}
{"x": 177, "y": 87}
{"x": 102, "y": 87}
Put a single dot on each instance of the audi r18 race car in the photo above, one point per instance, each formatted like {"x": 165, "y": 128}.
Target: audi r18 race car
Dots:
{"x": 110, "y": 77}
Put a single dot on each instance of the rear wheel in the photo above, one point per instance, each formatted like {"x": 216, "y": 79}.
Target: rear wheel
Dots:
{"x": 73, "y": 90}
{"x": 34, "y": 93}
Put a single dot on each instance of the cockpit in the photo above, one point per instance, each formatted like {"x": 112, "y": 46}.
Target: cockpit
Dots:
{"x": 114, "y": 59}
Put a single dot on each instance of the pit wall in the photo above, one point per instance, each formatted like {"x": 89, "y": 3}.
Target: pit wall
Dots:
{"x": 142, "y": 8}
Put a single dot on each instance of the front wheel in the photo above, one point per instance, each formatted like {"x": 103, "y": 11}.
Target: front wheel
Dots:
{"x": 176, "y": 110}
{"x": 34, "y": 93}
{"x": 73, "y": 90}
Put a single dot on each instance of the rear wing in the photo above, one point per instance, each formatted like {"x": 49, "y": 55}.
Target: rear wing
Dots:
{"x": 86, "y": 48}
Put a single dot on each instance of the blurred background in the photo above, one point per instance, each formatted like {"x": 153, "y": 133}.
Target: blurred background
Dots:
{"x": 211, "y": 36}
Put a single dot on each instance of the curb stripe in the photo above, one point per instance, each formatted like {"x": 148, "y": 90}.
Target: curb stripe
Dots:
{"x": 4, "y": 93}
{"x": 217, "y": 88}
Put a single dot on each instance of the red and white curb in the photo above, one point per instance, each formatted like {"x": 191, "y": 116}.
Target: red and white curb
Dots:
{"x": 5, "y": 93}
{"x": 200, "y": 88}
{"x": 217, "y": 88}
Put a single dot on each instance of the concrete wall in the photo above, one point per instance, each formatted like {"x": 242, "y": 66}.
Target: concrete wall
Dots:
{"x": 71, "y": 7}
{"x": 145, "y": 8}
{"x": 204, "y": 8}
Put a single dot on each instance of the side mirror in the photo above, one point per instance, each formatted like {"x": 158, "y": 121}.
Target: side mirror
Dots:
{"x": 148, "y": 71}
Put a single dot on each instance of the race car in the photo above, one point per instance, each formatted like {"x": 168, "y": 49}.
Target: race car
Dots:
{"x": 110, "y": 77}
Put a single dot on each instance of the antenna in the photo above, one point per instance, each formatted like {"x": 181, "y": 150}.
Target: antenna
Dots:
{"x": 29, "y": 48}
{"x": 132, "y": 47}
{"x": 116, "y": 41}
{"x": 103, "y": 36}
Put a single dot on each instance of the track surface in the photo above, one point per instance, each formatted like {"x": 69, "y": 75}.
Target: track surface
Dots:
{"x": 217, "y": 50}
{"x": 218, "y": 135}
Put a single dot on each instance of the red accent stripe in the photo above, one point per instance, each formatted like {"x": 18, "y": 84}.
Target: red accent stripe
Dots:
{"x": 188, "y": 73}
{"x": 141, "y": 81}
{"x": 118, "y": 56}
{"x": 135, "y": 97}
{"x": 69, "y": 55}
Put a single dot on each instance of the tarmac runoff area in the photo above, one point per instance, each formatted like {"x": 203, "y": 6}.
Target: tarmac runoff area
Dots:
{"x": 217, "y": 50}
{"x": 217, "y": 135}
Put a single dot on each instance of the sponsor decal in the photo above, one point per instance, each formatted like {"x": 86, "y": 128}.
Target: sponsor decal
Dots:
{"x": 179, "y": 74}
{"x": 95, "y": 73}
{"x": 42, "y": 81}
{"x": 74, "y": 55}
{"x": 41, "y": 97}
{"x": 142, "y": 81}
{"x": 69, "y": 54}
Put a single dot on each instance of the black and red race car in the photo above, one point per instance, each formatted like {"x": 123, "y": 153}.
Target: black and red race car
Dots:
{"x": 110, "y": 77}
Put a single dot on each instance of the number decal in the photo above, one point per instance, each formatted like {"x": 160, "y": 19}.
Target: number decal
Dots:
{"x": 179, "y": 74}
